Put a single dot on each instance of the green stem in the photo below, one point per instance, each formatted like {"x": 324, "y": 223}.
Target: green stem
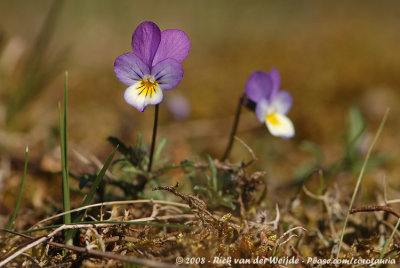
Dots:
{"x": 21, "y": 188}
{"x": 64, "y": 158}
{"x": 387, "y": 243}
{"x": 153, "y": 140}
{"x": 360, "y": 177}
{"x": 234, "y": 128}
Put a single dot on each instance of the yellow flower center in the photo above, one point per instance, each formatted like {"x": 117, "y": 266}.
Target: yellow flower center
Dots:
{"x": 272, "y": 119}
{"x": 147, "y": 86}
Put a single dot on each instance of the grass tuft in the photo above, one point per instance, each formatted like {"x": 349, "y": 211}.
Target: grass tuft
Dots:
{"x": 360, "y": 177}
{"x": 21, "y": 188}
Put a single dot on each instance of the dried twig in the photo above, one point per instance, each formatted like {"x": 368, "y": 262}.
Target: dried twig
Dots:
{"x": 194, "y": 202}
{"x": 393, "y": 201}
{"x": 277, "y": 217}
{"x": 278, "y": 241}
{"x": 375, "y": 208}
{"x": 198, "y": 206}
{"x": 111, "y": 204}
{"x": 328, "y": 205}
{"x": 253, "y": 156}
{"x": 391, "y": 226}
{"x": 97, "y": 253}
{"x": 31, "y": 245}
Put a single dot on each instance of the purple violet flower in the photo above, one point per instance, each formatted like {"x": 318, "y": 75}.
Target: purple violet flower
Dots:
{"x": 178, "y": 105}
{"x": 272, "y": 104}
{"x": 154, "y": 65}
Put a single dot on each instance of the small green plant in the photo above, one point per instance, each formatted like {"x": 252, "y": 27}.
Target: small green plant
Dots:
{"x": 352, "y": 158}
{"x": 215, "y": 189}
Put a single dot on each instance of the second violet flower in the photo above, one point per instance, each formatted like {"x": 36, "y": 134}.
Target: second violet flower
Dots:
{"x": 154, "y": 65}
{"x": 272, "y": 104}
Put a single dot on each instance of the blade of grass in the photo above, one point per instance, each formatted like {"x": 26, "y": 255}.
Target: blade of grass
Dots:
{"x": 139, "y": 144}
{"x": 360, "y": 177}
{"x": 213, "y": 173}
{"x": 97, "y": 182}
{"x": 387, "y": 243}
{"x": 71, "y": 233}
{"x": 160, "y": 148}
{"x": 64, "y": 158}
{"x": 21, "y": 188}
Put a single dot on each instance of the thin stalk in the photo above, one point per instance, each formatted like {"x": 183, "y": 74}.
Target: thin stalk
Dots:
{"x": 64, "y": 159}
{"x": 360, "y": 177}
{"x": 21, "y": 188}
{"x": 234, "y": 128}
{"x": 387, "y": 243}
{"x": 95, "y": 224}
{"x": 153, "y": 140}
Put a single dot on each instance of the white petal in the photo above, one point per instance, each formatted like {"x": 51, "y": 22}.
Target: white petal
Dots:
{"x": 279, "y": 125}
{"x": 139, "y": 96}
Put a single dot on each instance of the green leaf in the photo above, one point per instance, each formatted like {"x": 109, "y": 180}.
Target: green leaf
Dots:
{"x": 123, "y": 149}
{"x": 356, "y": 126}
{"x": 160, "y": 147}
{"x": 98, "y": 179}
{"x": 227, "y": 202}
{"x": 203, "y": 189}
{"x": 312, "y": 148}
{"x": 132, "y": 169}
{"x": 213, "y": 171}
{"x": 184, "y": 164}
{"x": 139, "y": 144}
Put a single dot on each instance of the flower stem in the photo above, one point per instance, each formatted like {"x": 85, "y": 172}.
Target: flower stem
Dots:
{"x": 153, "y": 140}
{"x": 234, "y": 128}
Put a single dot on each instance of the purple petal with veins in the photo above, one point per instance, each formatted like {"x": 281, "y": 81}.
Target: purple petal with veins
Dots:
{"x": 175, "y": 44}
{"x": 145, "y": 41}
{"x": 168, "y": 73}
{"x": 129, "y": 68}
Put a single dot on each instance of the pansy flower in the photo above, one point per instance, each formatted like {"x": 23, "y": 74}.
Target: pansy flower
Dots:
{"x": 153, "y": 66}
{"x": 272, "y": 104}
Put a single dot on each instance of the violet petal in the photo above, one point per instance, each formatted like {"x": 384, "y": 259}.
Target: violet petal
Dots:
{"x": 175, "y": 44}
{"x": 262, "y": 108}
{"x": 282, "y": 102}
{"x": 259, "y": 86}
{"x": 168, "y": 73}
{"x": 179, "y": 106}
{"x": 145, "y": 41}
{"x": 276, "y": 81}
{"x": 129, "y": 68}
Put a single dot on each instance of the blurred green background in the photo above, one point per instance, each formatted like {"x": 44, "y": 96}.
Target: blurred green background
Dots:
{"x": 331, "y": 55}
